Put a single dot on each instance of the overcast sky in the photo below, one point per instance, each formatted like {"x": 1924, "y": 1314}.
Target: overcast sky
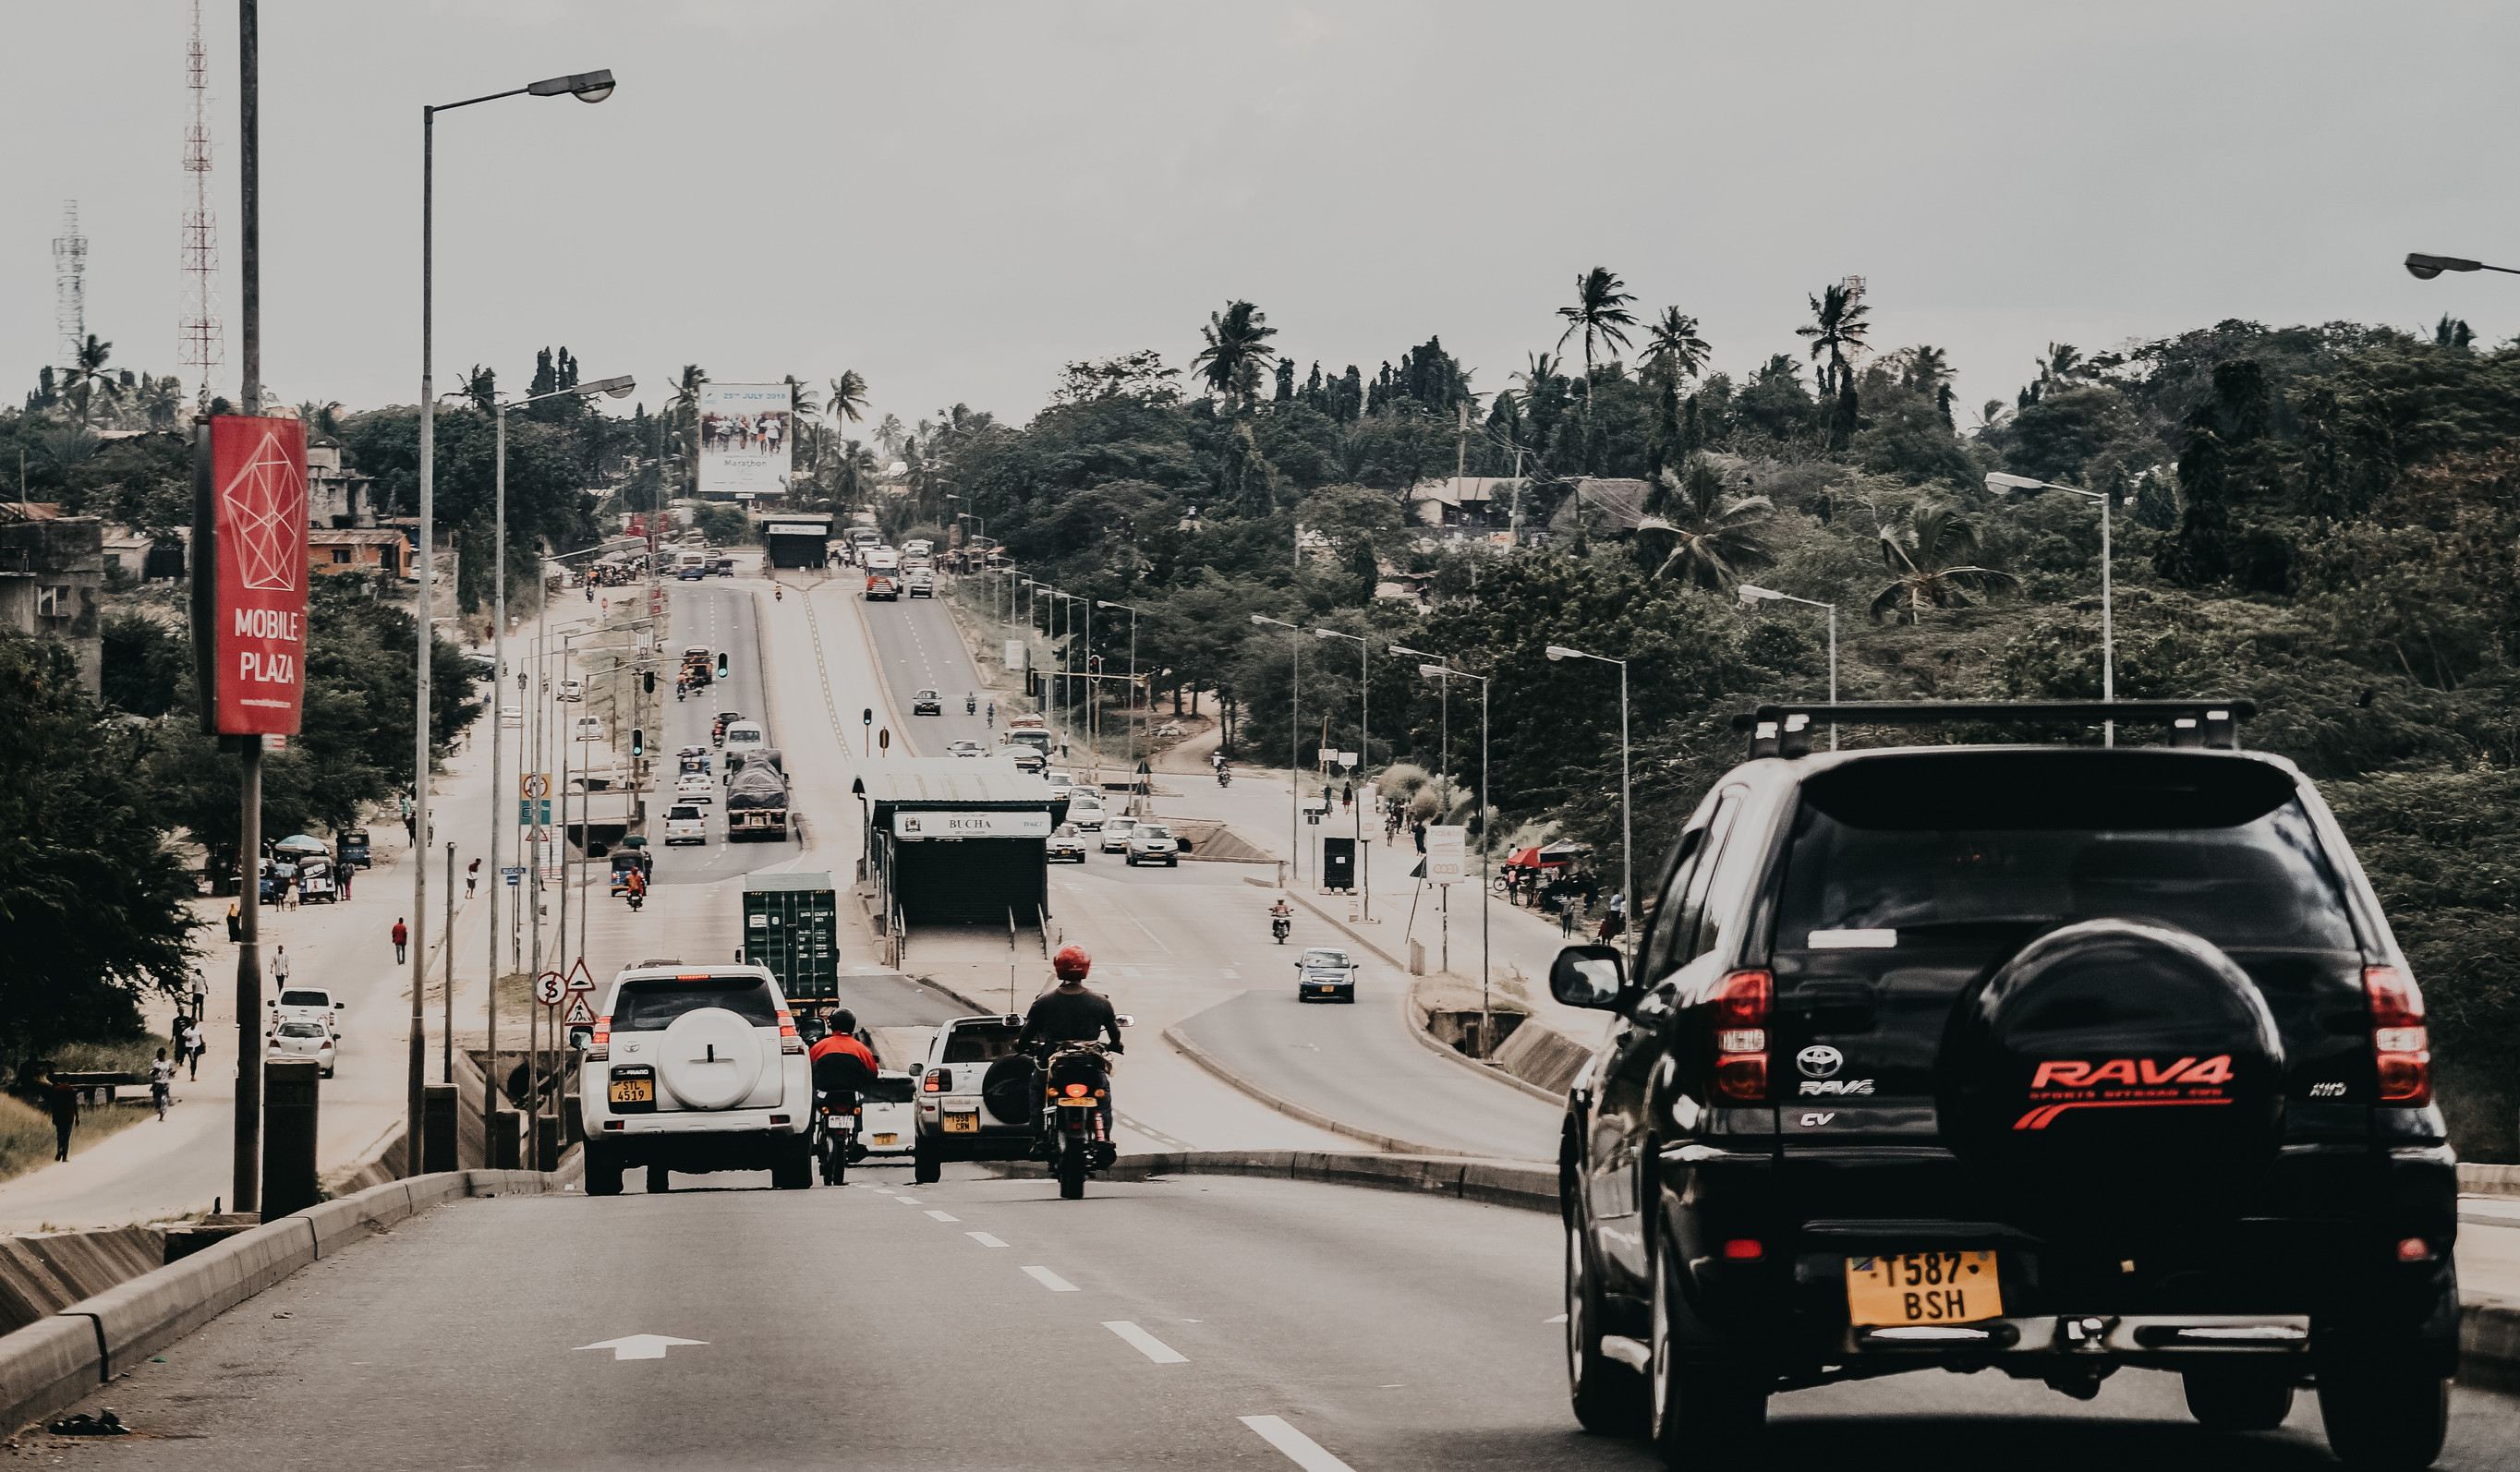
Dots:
{"x": 957, "y": 198}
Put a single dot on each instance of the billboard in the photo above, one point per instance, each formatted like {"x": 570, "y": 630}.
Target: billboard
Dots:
{"x": 256, "y": 610}
{"x": 1448, "y": 857}
{"x": 746, "y": 438}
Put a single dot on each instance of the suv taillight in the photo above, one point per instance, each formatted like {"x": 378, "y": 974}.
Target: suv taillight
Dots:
{"x": 788, "y": 1041}
{"x": 1740, "y": 1003}
{"x": 936, "y": 1081}
{"x": 2400, "y": 1044}
{"x": 599, "y": 1045}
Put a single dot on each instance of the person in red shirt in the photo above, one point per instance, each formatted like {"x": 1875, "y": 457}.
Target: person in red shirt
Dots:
{"x": 402, "y": 941}
{"x": 841, "y": 1063}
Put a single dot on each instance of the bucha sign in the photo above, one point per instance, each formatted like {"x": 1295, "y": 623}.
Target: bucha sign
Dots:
{"x": 257, "y": 612}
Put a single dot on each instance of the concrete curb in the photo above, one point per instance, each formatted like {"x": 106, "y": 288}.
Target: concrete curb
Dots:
{"x": 1287, "y": 1106}
{"x": 1494, "y": 1183}
{"x": 52, "y": 1365}
{"x": 1413, "y": 1021}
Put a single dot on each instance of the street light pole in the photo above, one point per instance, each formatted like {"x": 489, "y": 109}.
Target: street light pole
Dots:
{"x": 1479, "y": 807}
{"x": 1364, "y": 760}
{"x": 1751, "y": 592}
{"x": 1294, "y": 745}
{"x": 588, "y": 86}
{"x": 1134, "y": 722}
{"x": 1626, "y": 804}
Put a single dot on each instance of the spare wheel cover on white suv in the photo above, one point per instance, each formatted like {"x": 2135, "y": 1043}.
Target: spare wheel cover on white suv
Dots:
{"x": 710, "y": 1059}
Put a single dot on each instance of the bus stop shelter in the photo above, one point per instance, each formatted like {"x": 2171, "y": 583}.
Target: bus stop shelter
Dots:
{"x": 795, "y": 539}
{"x": 958, "y": 840}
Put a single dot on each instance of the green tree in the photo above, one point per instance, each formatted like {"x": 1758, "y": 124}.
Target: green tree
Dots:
{"x": 1600, "y": 315}
{"x": 1837, "y": 331}
{"x": 1925, "y": 570}
{"x": 92, "y": 895}
{"x": 1237, "y": 351}
{"x": 1691, "y": 534}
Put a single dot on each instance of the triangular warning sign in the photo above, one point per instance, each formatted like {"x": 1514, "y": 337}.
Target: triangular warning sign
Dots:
{"x": 580, "y": 979}
{"x": 579, "y": 1014}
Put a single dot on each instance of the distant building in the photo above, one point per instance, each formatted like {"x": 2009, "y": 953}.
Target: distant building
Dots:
{"x": 336, "y": 498}
{"x": 52, "y": 571}
{"x": 1610, "y": 506}
{"x": 1464, "y": 500}
{"x": 357, "y": 550}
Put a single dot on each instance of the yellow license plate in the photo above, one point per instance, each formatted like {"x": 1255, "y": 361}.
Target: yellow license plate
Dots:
{"x": 962, "y": 1124}
{"x": 1080, "y": 1103}
{"x": 886, "y": 1138}
{"x": 1922, "y": 1287}
{"x": 634, "y": 1091}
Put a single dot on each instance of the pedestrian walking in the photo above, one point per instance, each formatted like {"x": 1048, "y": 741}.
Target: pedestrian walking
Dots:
{"x": 162, "y": 1084}
{"x": 1347, "y": 797}
{"x": 1417, "y": 830}
{"x": 342, "y": 878}
{"x": 236, "y": 922}
{"x": 279, "y": 966}
{"x": 1566, "y": 914}
{"x": 402, "y": 941}
{"x": 192, "y": 1045}
{"x": 289, "y": 890}
{"x": 472, "y": 877}
{"x": 201, "y": 997}
{"x": 62, "y": 1102}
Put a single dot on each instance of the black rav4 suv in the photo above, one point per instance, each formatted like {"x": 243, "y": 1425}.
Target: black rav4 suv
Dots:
{"x": 2040, "y": 1059}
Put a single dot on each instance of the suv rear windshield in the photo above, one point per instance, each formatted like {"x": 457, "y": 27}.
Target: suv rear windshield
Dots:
{"x": 652, "y": 1003}
{"x": 304, "y": 998}
{"x": 1935, "y": 845}
{"x": 980, "y": 1043}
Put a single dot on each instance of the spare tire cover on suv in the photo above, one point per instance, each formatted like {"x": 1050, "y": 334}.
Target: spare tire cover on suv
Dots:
{"x": 710, "y": 1059}
{"x": 2114, "y": 1074}
{"x": 1011, "y": 1088}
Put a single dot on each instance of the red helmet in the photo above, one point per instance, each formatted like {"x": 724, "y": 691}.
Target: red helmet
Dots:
{"x": 1071, "y": 964}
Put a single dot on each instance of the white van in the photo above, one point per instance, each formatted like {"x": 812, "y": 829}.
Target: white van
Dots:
{"x": 743, "y": 737}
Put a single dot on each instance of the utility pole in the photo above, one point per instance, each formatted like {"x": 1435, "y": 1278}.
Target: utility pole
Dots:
{"x": 246, "y": 1187}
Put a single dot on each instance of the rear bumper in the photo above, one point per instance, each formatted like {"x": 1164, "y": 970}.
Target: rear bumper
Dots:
{"x": 993, "y": 1140}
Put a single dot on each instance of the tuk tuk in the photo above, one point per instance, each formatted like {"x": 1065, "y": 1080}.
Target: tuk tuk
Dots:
{"x": 352, "y": 850}
{"x": 316, "y": 881}
{"x": 628, "y": 860}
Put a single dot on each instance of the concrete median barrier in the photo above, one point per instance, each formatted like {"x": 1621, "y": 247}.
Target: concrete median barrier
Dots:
{"x": 45, "y": 1366}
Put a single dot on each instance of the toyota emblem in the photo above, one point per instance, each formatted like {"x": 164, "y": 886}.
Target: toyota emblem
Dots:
{"x": 1819, "y": 1061}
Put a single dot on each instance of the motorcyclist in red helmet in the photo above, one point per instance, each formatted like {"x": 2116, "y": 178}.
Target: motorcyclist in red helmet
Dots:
{"x": 1070, "y": 1013}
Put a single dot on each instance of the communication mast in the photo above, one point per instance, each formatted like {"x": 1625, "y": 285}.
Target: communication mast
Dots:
{"x": 69, "y": 286}
{"x": 199, "y": 344}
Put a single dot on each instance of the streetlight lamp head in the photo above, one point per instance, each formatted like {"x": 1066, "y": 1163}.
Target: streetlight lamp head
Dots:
{"x": 612, "y": 388}
{"x": 1260, "y": 620}
{"x": 2424, "y": 267}
{"x": 1433, "y": 671}
{"x": 1560, "y": 651}
{"x": 585, "y": 86}
{"x": 1402, "y": 649}
{"x": 1997, "y": 480}
{"x": 1752, "y": 593}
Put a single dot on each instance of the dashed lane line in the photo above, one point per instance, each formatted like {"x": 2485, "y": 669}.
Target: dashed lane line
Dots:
{"x": 1144, "y": 1343}
{"x": 984, "y": 1239}
{"x": 942, "y": 1216}
{"x": 1050, "y": 1281}
{"x": 1299, "y": 1448}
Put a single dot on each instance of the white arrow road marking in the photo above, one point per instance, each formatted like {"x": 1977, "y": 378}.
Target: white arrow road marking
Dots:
{"x": 640, "y": 1345}
{"x": 985, "y": 1240}
{"x": 1050, "y": 1281}
{"x": 1144, "y": 1343}
{"x": 1301, "y": 1449}
{"x": 934, "y": 1216}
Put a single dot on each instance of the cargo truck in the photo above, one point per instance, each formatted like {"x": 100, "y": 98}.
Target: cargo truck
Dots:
{"x": 790, "y": 925}
{"x": 756, "y": 803}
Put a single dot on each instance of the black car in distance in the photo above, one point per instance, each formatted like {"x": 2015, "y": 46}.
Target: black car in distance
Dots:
{"x": 2049, "y": 1061}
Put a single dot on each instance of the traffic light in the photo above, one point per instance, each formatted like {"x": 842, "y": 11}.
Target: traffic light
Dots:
{"x": 1093, "y": 664}
{"x": 638, "y": 743}
{"x": 650, "y": 677}
{"x": 721, "y": 664}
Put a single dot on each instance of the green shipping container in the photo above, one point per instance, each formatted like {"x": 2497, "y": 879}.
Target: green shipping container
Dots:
{"x": 791, "y": 926}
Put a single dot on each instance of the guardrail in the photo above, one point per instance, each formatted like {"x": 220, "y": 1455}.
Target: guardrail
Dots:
{"x": 52, "y": 1363}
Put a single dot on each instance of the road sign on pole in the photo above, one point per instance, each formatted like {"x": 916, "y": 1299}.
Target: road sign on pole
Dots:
{"x": 514, "y": 874}
{"x": 1448, "y": 853}
{"x": 579, "y": 1014}
{"x": 549, "y": 987}
{"x": 580, "y": 981}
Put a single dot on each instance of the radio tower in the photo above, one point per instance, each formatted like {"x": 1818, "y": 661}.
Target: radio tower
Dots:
{"x": 199, "y": 344}
{"x": 69, "y": 286}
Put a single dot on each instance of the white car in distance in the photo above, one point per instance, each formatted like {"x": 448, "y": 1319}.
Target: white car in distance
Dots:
{"x": 1116, "y": 835}
{"x": 1153, "y": 843}
{"x": 300, "y": 1040}
{"x": 695, "y": 787}
{"x": 685, "y": 824}
{"x": 1085, "y": 811}
{"x": 307, "y": 1004}
{"x": 573, "y": 688}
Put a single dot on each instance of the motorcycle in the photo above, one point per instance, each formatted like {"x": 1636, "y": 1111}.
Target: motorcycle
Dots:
{"x": 1224, "y": 778}
{"x": 836, "y": 1144}
{"x": 1076, "y": 1089}
{"x": 1278, "y": 925}
{"x": 778, "y": 592}
{"x": 637, "y": 898}
{"x": 970, "y": 706}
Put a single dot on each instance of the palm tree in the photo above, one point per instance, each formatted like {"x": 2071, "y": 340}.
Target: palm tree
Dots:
{"x": 848, "y": 401}
{"x": 1237, "y": 350}
{"x": 1600, "y": 314}
{"x": 1674, "y": 349}
{"x": 889, "y": 435}
{"x": 685, "y": 407}
{"x": 1929, "y": 373}
{"x": 88, "y": 378}
{"x": 1712, "y": 540}
{"x": 807, "y": 410}
{"x": 1838, "y": 332}
{"x": 1925, "y": 570}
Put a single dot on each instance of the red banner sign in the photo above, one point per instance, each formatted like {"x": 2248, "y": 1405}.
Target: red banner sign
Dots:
{"x": 259, "y": 515}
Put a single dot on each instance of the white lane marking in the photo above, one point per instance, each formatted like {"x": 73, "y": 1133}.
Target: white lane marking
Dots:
{"x": 1050, "y": 1281}
{"x": 638, "y": 1346}
{"x": 904, "y": 1200}
{"x": 982, "y": 1237}
{"x": 1301, "y": 1449}
{"x": 1144, "y": 1343}
{"x": 934, "y": 1216}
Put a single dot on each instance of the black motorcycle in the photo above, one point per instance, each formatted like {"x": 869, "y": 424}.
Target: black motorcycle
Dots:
{"x": 1224, "y": 778}
{"x": 1076, "y": 1089}
{"x": 835, "y": 1144}
{"x": 1278, "y": 925}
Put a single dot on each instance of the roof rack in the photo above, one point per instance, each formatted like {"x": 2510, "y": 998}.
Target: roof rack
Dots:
{"x": 1786, "y": 729}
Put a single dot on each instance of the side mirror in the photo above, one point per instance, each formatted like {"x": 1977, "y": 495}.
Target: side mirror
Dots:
{"x": 1125, "y": 1020}
{"x": 340, "y": 1006}
{"x": 1587, "y": 977}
